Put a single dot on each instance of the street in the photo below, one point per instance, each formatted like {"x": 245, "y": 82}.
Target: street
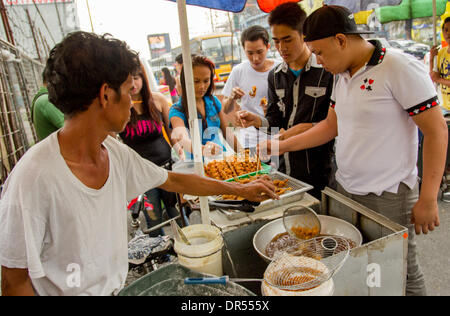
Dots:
{"x": 434, "y": 250}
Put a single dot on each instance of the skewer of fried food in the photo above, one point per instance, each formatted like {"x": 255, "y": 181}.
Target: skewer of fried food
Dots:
{"x": 258, "y": 162}
{"x": 238, "y": 101}
{"x": 233, "y": 171}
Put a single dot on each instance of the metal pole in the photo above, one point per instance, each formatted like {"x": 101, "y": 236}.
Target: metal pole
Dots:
{"x": 45, "y": 23}
{"x": 59, "y": 20}
{"x": 90, "y": 16}
{"x": 434, "y": 23}
{"x": 193, "y": 121}
{"x": 8, "y": 31}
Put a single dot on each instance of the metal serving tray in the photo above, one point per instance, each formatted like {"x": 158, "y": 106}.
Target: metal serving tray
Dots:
{"x": 299, "y": 189}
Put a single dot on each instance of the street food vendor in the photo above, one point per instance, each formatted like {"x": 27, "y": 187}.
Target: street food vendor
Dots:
{"x": 63, "y": 213}
{"x": 299, "y": 95}
{"x": 379, "y": 100}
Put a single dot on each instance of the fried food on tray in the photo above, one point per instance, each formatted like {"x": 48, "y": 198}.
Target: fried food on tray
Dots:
{"x": 233, "y": 166}
{"x": 253, "y": 92}
{"x": 232, "y": 197}
{"x": 281, "y": 186}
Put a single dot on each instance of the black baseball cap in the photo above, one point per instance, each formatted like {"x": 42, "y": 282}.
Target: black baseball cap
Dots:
{"x": 330, "y": 20}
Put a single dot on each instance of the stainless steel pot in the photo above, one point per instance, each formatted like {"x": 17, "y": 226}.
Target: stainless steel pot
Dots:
{"x": 330, "y": 226}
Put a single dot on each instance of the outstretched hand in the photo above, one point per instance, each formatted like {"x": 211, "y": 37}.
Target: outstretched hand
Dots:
{"x": 246, "y": 119}
{"x": 259, "y": 190}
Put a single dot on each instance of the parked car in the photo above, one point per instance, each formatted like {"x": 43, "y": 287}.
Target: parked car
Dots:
{"x": 385, "y": 43}
{"x": 418, "y": 50}
{"x": 401, "y": 44}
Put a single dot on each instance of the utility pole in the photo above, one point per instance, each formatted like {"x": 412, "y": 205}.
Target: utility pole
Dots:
{"x": 8, "y": 31}
{"x": 212, "y": 21}
{"x": 232, "y": 38}
{"x": 34, "y": 34}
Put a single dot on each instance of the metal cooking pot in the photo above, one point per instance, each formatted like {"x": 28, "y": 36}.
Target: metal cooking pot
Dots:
{"x": 330, "y": 226}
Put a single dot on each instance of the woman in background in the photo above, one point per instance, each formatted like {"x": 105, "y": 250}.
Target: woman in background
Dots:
{"x": 168, "y": 80}
{"x": 145, "y": 133}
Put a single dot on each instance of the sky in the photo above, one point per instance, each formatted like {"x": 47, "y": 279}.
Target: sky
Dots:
{"x": 133, "y": 20}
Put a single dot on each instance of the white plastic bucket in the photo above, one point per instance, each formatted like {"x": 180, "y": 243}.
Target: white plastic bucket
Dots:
{"x": 205, "y": 253}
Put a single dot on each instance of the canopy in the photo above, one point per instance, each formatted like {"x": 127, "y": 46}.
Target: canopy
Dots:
{"x": 236, "y": 5}
{"x": 362, "y": 5}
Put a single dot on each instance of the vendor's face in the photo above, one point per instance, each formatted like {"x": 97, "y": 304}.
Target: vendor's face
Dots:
{"x": 288, "y": 42}
{"x": 330, "y": 54}
{"x": 256, "y": 53}
{"x": 202, "y": 80}
{"x": 119, "y": 104}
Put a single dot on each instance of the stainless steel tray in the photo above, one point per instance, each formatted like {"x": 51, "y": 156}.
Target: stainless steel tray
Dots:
{"x": 299, "y": 189}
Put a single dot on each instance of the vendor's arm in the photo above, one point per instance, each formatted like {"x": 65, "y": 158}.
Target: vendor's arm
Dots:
{"x": 201, "y": 186}
{"x": 16, "y": 282}
{"x": 425, "y": 214}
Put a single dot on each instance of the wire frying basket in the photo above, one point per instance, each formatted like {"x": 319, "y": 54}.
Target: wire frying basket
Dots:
{"x": 308, "y": 264}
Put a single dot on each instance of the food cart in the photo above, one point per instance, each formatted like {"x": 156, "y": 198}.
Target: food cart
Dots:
{"x": 376, "y": 266}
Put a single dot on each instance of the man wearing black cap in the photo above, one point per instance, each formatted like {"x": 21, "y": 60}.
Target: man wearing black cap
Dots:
{"x": 299, "y": 95}
{"x": 378, "y": 101}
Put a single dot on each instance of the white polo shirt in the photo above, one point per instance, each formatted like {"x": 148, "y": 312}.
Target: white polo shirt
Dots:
{"x": 245, "y": 77}
{"x": 377, "y": 143}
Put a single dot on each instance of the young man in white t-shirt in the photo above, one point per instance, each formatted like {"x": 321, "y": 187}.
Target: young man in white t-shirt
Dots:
{"x": 247, "y": 83}
{"x": 63, "y": 220}
{"x": 378, "y": 101}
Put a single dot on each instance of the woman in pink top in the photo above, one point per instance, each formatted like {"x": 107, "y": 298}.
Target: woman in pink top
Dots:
{"x": 167, "y": 79}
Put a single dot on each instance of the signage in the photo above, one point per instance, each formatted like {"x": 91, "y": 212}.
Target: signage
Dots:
{"x": 159, "y": 44}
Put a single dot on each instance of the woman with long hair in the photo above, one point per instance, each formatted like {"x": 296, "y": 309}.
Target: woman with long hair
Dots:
{"x": 209, "y": 111}
{"x": 168, "y": 80}
{"x": 144, "y": 133}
